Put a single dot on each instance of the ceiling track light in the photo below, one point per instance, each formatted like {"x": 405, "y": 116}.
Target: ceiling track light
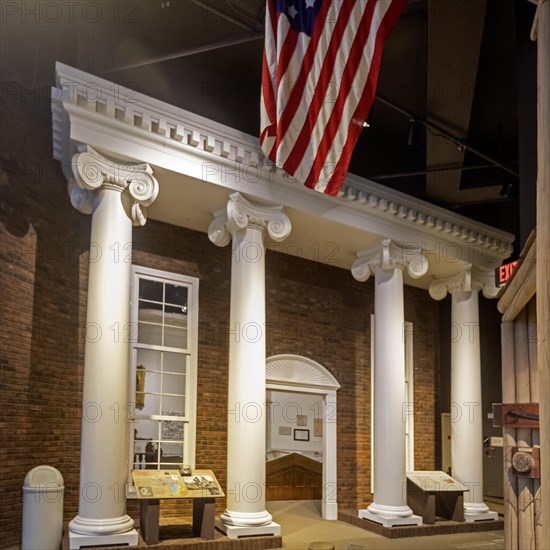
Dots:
{"x": 437, "y": 130}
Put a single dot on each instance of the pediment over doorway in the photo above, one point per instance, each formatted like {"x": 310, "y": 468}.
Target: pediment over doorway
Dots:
{"x": 296, "y": 370}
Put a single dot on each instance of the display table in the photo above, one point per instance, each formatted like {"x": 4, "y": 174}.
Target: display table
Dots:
{"x": 153, "y": 485}
{"x": 434, "y": 493}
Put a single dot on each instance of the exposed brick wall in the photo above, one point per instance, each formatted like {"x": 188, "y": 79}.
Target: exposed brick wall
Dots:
{"x": 313, "y": 310}
{"x": 43, "y": 248}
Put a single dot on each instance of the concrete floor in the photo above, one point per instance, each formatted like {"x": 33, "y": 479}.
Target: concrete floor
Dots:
{"x": 301, "y": 524}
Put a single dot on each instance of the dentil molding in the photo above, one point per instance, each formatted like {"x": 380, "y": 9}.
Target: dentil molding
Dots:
{"x": 241, "y": 213}
{"x": 387, "y": 256}
{"x": 93, "y": 102}
{"x": 92, "y": 171}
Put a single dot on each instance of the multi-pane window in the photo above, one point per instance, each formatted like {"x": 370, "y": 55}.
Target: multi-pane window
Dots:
{"x": 165, "y": 309}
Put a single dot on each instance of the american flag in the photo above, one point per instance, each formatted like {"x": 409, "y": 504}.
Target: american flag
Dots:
{"x": 320, "y": 67}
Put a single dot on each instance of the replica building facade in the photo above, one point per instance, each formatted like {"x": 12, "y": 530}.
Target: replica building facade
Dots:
{"x": 187, "y": 303}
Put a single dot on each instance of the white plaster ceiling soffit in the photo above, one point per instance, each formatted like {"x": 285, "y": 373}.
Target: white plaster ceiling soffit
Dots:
{"x": 88, "y": 109}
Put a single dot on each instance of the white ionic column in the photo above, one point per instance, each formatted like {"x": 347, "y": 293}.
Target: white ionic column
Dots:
{"x": 245, "y": 224}
{"x": 466, "y": 402}
{"x": 387, "y": 262}
{"x": 114, "y": 194}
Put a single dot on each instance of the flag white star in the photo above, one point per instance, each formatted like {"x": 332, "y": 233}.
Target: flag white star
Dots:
{"x": 310, "y": 3}
{"x": 292, "y": 11}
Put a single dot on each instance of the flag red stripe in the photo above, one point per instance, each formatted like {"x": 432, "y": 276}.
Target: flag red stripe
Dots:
{"x": 268, "y": 85}
{"x": 319, "y": 95}
{"x": 286, "y": 53}
{"x": 367, "y": 97}
{"x": 298, "y": 88}
{"x": 272, "y": 7}
{"x": 350, "y": 71}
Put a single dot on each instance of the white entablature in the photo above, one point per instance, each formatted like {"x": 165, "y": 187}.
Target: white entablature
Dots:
{"x": 199, "y": 163}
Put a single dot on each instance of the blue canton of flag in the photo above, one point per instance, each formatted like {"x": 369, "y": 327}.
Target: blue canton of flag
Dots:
{"x": 301, "y": 13}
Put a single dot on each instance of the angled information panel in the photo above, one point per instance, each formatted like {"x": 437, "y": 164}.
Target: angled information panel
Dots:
{"x": 434, "y": 481}
{"x": 156, "y": 484}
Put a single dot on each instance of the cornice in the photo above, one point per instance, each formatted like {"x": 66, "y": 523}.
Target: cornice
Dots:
{"x": 241, "y": 213}
{"x": 101, "y": 103}
{"x": 92, "y": 171}
{"x": 387, "y": 256}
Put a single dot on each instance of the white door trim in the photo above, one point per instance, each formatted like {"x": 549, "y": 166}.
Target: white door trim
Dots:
{"x": 295, "y": 373}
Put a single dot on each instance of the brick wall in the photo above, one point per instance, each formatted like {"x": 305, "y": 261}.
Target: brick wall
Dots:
{"x": 313, "y": 309}
{"x": 321, "y": 312}
{"x": 42, "y": 268}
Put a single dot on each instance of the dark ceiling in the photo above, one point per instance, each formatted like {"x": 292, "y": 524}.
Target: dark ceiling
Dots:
{"x": 455, "y": 64}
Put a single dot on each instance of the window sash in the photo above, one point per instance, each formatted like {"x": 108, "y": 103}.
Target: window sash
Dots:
{"x": 189, "y": 368}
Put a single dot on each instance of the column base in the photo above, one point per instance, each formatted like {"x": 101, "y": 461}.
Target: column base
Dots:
{"x": 130, "y": 538}
{"x": 234, "y": 531}
{"x": 101, "y": 527}
{"x": 387, "y": 519}
{"x": 472, "y": 517}
{"x": 329, "y": 510}
{"x": 246, "y": 519}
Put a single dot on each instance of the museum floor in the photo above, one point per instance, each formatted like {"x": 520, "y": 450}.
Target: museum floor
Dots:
{"x": 301, "y": 525}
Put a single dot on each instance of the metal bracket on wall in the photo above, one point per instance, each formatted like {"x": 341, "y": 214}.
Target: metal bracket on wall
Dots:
{"x": 520, "y": 415}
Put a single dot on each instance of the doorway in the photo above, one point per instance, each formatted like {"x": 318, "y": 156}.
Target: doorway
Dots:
{"x": 304, "y": 388}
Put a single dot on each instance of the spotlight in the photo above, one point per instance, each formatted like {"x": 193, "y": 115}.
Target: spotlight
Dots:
{"x": 508, "y": 190}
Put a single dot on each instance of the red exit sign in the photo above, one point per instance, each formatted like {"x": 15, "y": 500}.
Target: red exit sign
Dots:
{"x": 504, "y": 272}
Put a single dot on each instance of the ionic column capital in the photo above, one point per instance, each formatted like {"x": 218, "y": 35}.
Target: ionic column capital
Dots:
{"x": 92, "y": 171}
{"x": 387, "y": 256}
{"x": 471, "y": 278}
{"x": 241, "y": 213}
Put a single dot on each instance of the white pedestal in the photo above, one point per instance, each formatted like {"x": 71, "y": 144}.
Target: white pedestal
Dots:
{"x": 329, "y": 510}
{"x": 390, "y": 521}
{"x": 130, "y": 538}
{"x": 234, "y": 532}
{"x": 480, "y": 516}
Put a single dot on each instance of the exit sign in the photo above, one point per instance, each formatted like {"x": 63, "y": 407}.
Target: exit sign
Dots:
{"x": 504, "y": 272}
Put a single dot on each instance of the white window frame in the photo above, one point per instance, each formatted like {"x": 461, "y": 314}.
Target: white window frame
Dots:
{"x": 192, "y": 283}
